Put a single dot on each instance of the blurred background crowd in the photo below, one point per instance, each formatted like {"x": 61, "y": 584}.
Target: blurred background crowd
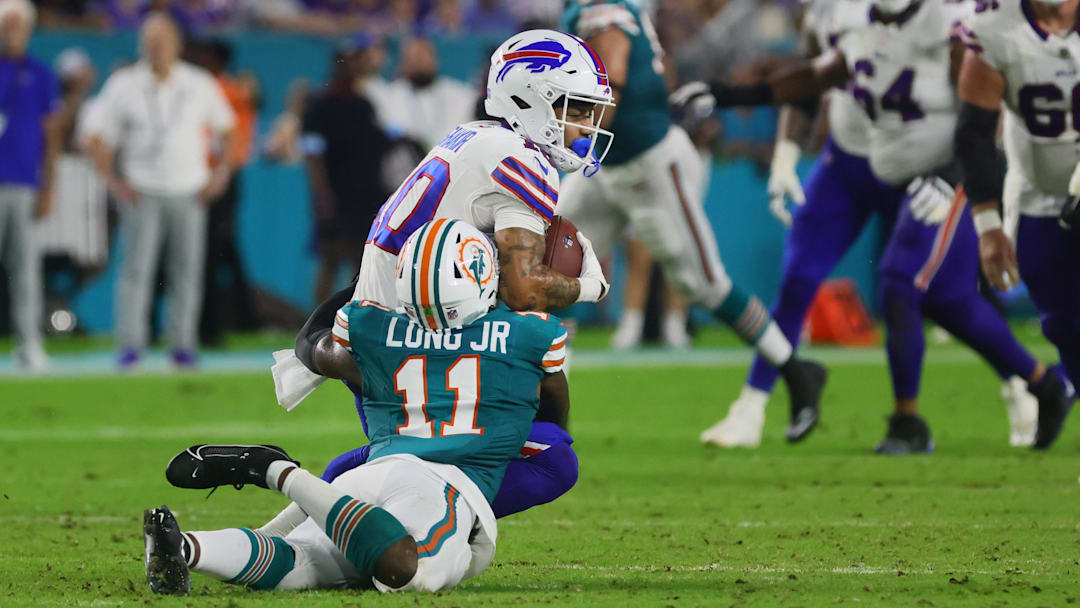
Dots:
{"x": 332, "y": 104}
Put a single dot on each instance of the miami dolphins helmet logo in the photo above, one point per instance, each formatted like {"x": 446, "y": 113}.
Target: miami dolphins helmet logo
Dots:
{"x": 475, "y": 260}
{"x": 537, "y": 57}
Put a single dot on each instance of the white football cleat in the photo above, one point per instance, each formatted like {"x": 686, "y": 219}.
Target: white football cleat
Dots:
{"x": 1023, "y": 409}
{"x": 742, "y": 426}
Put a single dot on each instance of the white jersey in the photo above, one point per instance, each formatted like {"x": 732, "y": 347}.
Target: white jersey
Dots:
{"x": 482, "y": 173}
{"x": 828, "y": 21}
{"x": 1042, "y": 86}
{"x": 900, "y": 76}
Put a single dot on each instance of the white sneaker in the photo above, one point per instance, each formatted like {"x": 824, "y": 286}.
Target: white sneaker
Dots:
{"x": 628, "y": 332}
{"x": 1023, "y": 409}
{"x": 674, "y": 329}
{"x": 742, "y": 426}
{"x": 33, "y": 359}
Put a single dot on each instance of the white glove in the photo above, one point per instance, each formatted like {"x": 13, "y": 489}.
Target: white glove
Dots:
{"x": 930, "y": 199}
{"x": 293, "y": 381}
{"x": 783, "y": 181}
{"x": 692, "y": 101}
{"x": 593, "y": 284}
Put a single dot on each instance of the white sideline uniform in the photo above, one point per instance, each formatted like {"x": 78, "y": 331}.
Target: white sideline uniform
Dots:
{"x": 414, "y": 492}
{"x": 828, "y": 21}
{"x": 900, "y": 76}
{"x": 655, "y": 196}
{"x": 482, "y": 173}
{"x": 1042, "y": 79}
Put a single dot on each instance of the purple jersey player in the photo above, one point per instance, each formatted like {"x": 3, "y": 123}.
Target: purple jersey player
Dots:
{"x": 899, "y": 66}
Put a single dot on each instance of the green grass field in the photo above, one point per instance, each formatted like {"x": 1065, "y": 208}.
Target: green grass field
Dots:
{"x": 655, "y": 520}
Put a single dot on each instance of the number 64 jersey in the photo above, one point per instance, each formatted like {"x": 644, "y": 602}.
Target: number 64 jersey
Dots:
{"x": 482, "y": 173}
{"x": 1042, "y": 98}
{"x": 464, "y": 397}
{"x": 900, "y": 76}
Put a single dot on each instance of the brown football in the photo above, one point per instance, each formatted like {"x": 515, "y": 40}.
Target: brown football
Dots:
{"x": 563, "y": 252}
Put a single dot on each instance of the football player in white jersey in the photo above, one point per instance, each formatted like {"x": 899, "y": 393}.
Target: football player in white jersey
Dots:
{"x": 841, "y": 195}
{"x": 1025, "y": 55}
{"x": 550, "y": 91}
{"x": 901, "y": 68}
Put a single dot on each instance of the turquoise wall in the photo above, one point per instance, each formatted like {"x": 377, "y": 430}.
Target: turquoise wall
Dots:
{"x": 275, "y": 221}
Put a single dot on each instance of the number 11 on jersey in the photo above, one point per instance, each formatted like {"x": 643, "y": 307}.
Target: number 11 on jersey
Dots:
{"x": 462, "y": 379}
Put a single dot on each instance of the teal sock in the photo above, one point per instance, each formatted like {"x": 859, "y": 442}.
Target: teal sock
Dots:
{"x": 362, "y": 531}
{"x": 745, "y": 314}
{"x": 271, "y": 559}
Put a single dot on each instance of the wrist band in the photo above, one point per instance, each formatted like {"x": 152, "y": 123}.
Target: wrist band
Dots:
{"x": 986, "y": 221}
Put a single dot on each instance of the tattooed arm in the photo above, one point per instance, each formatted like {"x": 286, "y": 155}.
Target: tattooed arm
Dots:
{"x": 524, "y": 282}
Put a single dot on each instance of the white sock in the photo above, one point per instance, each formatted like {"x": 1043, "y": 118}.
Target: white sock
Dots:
{"x": 220, "y": 554}
{"x": 752, "y": 400}
{"x": 628, "y": 331}
{"x": 313, "y": 495}
{"x": 674, "y": 328}
{"x": 274, "y": 471}
{"x": 774, "y": 346}
{"x": 284, "y": 522}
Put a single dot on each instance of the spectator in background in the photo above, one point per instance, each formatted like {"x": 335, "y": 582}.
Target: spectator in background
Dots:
{"x": 490, "y": 19}
{"x": 447, "y": 19}
{"x": 29, "y": 146}
{"x": 70, "y": 13}
{"x": 157, "y": 114}
{"x": 344, "y": 146}
{"x": 223, "y": 260}
{"x": 421, "y": 103}
{"x": 283, "y": 142}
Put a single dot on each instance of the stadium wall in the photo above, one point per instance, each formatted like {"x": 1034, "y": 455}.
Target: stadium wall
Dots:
{"x": 281, "y": 258}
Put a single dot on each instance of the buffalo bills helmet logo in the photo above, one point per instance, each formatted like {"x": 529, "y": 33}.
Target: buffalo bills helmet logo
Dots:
{"x": 537, "y": 57}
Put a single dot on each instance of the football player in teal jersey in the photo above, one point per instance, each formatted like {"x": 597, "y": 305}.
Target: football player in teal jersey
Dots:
{"x": 649, "y": 186}
{"x": 447, "y": 409}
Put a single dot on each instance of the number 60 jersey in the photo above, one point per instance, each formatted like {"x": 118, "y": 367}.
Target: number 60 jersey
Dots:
{"x": 1042, "y": 98}
{"x": 482, "y": 173}
{"x": 464, "y": 397}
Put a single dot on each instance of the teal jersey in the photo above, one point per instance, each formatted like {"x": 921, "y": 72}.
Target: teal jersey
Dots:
{"x": 465, "y": 397}
{"x": 641, "y": 117}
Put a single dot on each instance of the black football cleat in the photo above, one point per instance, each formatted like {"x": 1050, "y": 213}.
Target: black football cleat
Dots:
{"x": 166, "y": 569}
{"x": 1055, "y": 401}
{"x": 202, "y": 467}
{"x": 906, "y": 435}
{"x": 805, "y": 380}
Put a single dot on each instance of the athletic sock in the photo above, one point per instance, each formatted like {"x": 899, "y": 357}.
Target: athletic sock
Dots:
{"x": 239, "y": 556}
{"x": 628, "y": 331}
{"x": 360, "y": 530}
{"x": 284, "y": 522}
{"x": 674, "y": 328}
{"x": 747, "y": 316}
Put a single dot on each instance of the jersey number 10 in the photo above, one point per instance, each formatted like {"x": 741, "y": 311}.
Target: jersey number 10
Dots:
{"x": 404, "y": 214}
{"x": 462, "y": 379}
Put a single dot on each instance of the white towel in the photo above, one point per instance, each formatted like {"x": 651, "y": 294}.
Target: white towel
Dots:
{"x": 293, "y": 381}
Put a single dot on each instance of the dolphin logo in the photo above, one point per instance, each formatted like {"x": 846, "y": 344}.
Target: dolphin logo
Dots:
{"x": 537, "y": 57}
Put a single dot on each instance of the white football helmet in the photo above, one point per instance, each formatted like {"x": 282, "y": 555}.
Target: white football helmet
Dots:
{"x": 893, "y": 7}
{"x": 538, "y": 68}
{"x": 447, "y": 274}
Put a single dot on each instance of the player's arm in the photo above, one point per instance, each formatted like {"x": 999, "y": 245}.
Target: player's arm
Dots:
{"x": 525, "y": 283}
{"x": 613, "y": 46}
{"x": 980, "y": 88}
{"x": 554, "y": 400}
{"x": 793, "y": 122}
{"x": 315, "y": 345}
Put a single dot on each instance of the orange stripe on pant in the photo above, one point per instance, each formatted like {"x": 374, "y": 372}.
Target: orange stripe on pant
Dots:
{"x": 451, "y": 498}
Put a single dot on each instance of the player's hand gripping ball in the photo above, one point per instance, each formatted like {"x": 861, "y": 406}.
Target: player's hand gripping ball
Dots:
{"x": 563, "y": 252}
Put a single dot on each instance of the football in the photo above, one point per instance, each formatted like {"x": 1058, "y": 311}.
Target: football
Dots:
{"x": 563, "y": 252}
